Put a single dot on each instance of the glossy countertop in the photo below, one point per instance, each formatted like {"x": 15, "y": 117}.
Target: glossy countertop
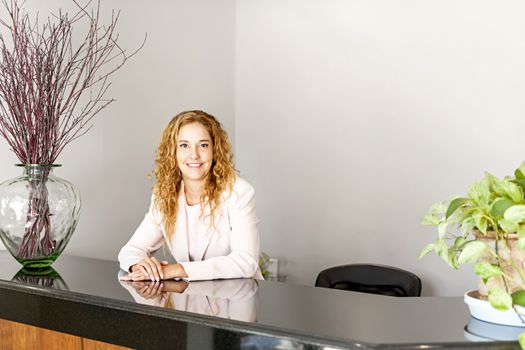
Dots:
{"x": 258, "y": 314}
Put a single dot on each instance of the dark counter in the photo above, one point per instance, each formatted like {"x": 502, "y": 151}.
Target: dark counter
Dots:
{"x": 87, "y": 299}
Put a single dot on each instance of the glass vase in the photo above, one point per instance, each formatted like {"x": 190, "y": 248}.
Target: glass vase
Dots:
{"x": 38, "y": 215}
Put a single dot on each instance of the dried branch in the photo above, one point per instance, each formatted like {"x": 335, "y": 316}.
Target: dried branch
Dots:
{"x": 45, "y": 78}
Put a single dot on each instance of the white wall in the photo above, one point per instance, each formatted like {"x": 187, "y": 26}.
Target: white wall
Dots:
{"x": 353, "y": 117}
{"x": 187, "y": 63}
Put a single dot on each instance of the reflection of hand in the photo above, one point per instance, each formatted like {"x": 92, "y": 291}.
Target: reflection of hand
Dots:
{"x": 175, "y": 286}
{"x": 149, "y": 290}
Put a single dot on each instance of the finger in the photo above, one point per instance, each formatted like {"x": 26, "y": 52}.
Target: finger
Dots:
{"x": 139, "y": 276}
{"x": 154, "y": 266}
{"x": 157, "y": 269}
{"x": 142, "y": 270}
{"x": 158, "y": 288}
{"x": 164, "y": 262}
{"x": 125, "y": 278}
{"x": 149, "y": 271}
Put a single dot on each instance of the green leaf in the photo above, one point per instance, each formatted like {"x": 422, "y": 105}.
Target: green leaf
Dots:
{"x": 519, "y": 182}
{"x": 521, "y": 243}
{"x": 454, "y": 205}
{"x": 458, "y": 242}
{"x": 492, "y": 180}
{"x": 485, "y": 270}
{"x": 481, "y": 222}
{"x": 515, "y": 214}
{"x": 508, "y": 226}
{"x": 442, "y": 250}
{"x": 499, "y": 206}
{"x": 471, "y": 252}
{"x": 479, "y": 192}
{"x": 467, "y": 225}
{"x": 499, "y": 299}
{"x": 442, "y": 229}
{"x": 521, "y": 340}
{"x": 426, "y": 249}
{"x": 520, "y": 172}
{"x": 509, "y": 189}
{"x": 518, "y": 298}
{"x": 430, "y": 218}
{"x": 453, "y": 259}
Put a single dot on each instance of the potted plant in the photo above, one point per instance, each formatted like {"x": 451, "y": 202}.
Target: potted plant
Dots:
{"x": 486, "y": 228}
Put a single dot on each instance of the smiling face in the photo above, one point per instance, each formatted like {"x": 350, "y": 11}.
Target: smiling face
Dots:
{"x": 194, "y": 152}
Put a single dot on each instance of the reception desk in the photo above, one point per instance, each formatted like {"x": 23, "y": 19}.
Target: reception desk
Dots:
{"x": 85, "y": 300}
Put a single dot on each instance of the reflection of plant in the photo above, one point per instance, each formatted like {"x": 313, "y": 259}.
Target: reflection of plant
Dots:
{"x": 43, "y": 76}
{"x": 264, "y": 262}
{"x": 493, "y": 209}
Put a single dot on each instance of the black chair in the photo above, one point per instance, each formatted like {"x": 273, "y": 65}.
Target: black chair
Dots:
{"x": 371, "y": 278}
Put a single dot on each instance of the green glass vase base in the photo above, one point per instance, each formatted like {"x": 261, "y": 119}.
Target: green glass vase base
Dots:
{"x": 38, "y": 264}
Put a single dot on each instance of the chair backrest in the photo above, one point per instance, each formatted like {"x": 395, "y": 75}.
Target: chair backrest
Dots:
{"x": 371, "y": 278}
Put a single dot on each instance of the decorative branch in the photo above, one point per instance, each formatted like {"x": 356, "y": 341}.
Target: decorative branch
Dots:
{"x": 43, "y": 76}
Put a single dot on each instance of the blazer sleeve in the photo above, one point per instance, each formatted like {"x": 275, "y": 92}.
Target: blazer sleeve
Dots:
{"x": 147, "y": 239}
{"x": 243, "y": 259}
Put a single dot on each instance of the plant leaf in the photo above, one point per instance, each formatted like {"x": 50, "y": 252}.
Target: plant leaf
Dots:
{"x": 521, "y": 236}
{"x": 467, "y": 225}
{"x": 518, "y": 298}
{"x": 499, "y": 299}
{"x": 515, "y": 214}
{"x": 519, "y": 182}
{"x": 454, "y": 205}
{"x": 442, "y": 229}
{"x": 458, "y": 242}
{"x": 481, "y": 222}
{"x": 521, "y": 243}
{"x": 492, "y": 180}
{"x": 453, "y": 258}
{"x": 430, "y": 218}
{"x": 509, "y": 189}
{"x": 479, "y": 192}
{"x": 520, "y": 172}
{"x": 499, "y": 206}
{"x": 521, "y": 340}
{"x": 442, "y": 250}
{"x": 485, "y": 270}
{"x": 426, "y": 249}
{"x": 471, "y": 252}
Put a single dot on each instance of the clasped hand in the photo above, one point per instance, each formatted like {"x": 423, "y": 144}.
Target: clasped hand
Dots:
{"x": 151, "y": 269}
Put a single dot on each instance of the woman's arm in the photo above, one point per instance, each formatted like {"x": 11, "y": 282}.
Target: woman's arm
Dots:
{"x": 147, "y": 239}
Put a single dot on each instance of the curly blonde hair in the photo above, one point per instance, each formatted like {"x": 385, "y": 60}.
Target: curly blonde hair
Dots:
{"x": 168, "y": 175}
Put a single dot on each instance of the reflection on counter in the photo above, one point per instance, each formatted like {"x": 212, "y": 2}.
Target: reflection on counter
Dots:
{"x": 48, "y": 278}
{"x": 234, "y": 299}
{"x": 477, "y": 330}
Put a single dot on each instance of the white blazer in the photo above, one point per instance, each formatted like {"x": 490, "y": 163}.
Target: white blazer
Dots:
{"x": 228, "y": 250}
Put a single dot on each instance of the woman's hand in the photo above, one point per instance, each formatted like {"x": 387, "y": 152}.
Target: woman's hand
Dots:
{"x": 163, "y": 271}
{"x": 150, "y": 268}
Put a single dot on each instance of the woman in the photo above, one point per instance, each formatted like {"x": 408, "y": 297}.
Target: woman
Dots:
{"x": 200, "y": 208}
